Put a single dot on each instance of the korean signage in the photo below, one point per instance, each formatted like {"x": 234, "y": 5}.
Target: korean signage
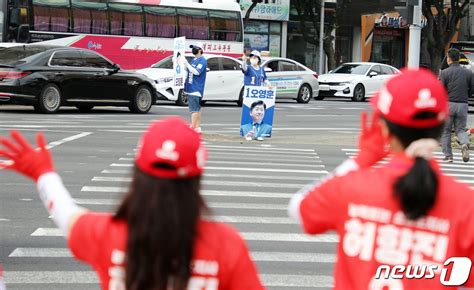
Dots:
{"x": 257, "y": 112}
{"x": 280, "y": 10}
{"x": 178, "y": 53}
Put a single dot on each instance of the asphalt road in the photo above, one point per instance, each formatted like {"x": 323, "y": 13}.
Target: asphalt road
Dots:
{"x": 247, "y": 184}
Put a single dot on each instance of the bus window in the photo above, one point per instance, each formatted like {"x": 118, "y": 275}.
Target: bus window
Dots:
{"x": 193, "y": 23}
{"x": 89, "y": 17}
{"x": 51, "y": 15}
{"x": 2, "y": 19}
{"x": 126, "y": 19}
{"x": 160, "y": 21}
{"x": 225, "y": 25}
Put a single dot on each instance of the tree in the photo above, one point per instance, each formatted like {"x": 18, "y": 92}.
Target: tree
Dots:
{"x": 308, "y": 12}
{"x": 249, "y": 11}
{"x": 442, "y": 25}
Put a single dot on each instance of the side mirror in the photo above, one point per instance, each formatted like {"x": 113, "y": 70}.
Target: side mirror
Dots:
{"x": 113, "y": 69}
{"x": 208, "y": 69}
{"x": 267, "y": 69}
{"x": 23, "y": 34}
{"x": 330, "y": 72}
{"x": 373, "y": 74}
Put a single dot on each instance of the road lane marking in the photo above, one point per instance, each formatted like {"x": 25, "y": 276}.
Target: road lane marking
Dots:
{"x": 248, "y": 236}
{"x": 295, "y": 257}
{"x": 204, "y": 182}
{"x": 52, "y": 145}
{"x": 90, "y": 277}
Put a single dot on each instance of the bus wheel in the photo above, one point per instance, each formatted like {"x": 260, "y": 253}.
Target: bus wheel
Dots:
{"x": 182, "y": 99}
{"x": 142, "y": 101}
{"x": 49, "y": 100}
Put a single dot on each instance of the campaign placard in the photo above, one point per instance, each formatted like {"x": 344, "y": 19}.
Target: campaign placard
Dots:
{"x": 179, "y": 71}
{"x": 257, "y": 112}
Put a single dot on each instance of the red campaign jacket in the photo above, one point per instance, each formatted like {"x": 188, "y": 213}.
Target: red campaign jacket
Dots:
{"x": 373, "y": 231}
{"x": 221, "y": 258}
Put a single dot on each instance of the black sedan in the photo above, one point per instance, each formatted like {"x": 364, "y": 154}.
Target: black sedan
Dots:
{"x": 47, "y": 78}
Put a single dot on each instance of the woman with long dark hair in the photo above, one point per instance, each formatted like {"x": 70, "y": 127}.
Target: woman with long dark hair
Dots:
{"x": 158, "y": 239}
{"x": 402, "y": 219}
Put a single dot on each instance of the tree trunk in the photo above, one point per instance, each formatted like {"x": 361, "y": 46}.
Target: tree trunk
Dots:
{"x": 249, "y": 11}
{"x": 328, "y": 45}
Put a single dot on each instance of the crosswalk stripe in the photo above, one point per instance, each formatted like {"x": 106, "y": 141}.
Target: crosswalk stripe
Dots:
{"x": 436, "y": 153}
{"x": 261, "y": 148}
{"x": 212, "y": 182}
{"x": 221, "y": 205}
{"x": 256, "y": 256}
{"x": 258, "y": 170}
{"x": 307, "y": 162}
{"x": 207, "y": 174}
{"x": 238, "y": 156}
{"x": 260, "y": 177}
{"x": 238, "y": 163}
{"x": 248, "y": 236}
{"x": 307, "y": 281}
{"x": 255, "y": 150}
{"x": 90, "y": 277}
{"x": 227, "y": 193}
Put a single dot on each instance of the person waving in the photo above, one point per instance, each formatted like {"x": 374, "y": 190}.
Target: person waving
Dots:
{"x": 160, "y": 237}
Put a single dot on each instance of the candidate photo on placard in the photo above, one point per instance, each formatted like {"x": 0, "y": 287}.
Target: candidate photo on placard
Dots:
{"x": 257, "y": 112}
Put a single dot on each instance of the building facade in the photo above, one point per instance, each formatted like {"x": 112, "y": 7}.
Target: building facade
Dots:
{"x": 267, "y": 28}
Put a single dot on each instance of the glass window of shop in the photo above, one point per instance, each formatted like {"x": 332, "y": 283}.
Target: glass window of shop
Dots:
{"x": 263, "y": 36}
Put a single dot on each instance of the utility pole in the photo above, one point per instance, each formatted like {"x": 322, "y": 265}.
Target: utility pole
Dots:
{"x": 321, "y": 40}
{"x": 415, "y": 35}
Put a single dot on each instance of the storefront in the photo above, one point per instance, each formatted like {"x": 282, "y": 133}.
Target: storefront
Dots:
{"x": 384, "y": 39}
{"x": 267, "y": 29}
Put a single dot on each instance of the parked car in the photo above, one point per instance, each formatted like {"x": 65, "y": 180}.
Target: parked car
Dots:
{"x": 49, "y": 77}
{"x": 224, "y": 80}
{"x": 291, "y": 79}
{"x": 356, "y": 80}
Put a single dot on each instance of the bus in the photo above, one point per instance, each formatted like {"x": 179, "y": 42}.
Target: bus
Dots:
{"x": 132, "y": 33}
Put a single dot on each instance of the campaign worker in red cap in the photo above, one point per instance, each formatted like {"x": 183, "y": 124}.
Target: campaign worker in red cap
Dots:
{"x": 158, "y": 239}
{"x": 403, "y": 216}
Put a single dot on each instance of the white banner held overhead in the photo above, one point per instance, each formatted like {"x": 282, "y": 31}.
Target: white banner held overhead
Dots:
{"x": 178, "y": 53}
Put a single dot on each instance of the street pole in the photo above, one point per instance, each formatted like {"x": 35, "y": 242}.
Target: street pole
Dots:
{"x": 415, "y": 37}
{"x": 321, "y": 36}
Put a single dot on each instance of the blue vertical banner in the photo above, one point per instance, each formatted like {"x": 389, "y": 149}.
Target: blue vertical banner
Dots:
{"x": 257, "y": 112}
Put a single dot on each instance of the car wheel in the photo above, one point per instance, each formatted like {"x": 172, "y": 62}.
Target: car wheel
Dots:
{"x": 182, "y": 99}
{"x": 240, "y": 101}
{"x": 304, "y": 94}
{"x": 359, "y": 93}
{"x": 85, "y": 108}
{"x": 142, "y": 101}
{"x": 49, "y": 100}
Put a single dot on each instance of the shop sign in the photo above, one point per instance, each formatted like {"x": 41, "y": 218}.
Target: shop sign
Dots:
{"x": 280, "y": 10}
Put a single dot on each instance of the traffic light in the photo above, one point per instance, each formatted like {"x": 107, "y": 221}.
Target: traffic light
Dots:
{"x": 406, "y": 12}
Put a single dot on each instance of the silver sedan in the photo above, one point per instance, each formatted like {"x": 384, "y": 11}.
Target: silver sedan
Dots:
{"x": 291, "y": 79}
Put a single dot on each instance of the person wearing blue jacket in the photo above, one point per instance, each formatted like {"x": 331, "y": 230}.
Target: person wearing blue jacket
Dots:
{"x": 254, "y": 75}
{"x": 195, "y": 82}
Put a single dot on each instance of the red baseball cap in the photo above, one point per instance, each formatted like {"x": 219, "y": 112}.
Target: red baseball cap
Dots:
{"x": 406, "y": 96}
{"x": 171, "y": 149}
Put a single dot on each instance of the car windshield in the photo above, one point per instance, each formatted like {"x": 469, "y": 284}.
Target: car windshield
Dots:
{"x": 353, "y": 69}
{"x": 20, "y": 54}
{"x": 167, "y": 62}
